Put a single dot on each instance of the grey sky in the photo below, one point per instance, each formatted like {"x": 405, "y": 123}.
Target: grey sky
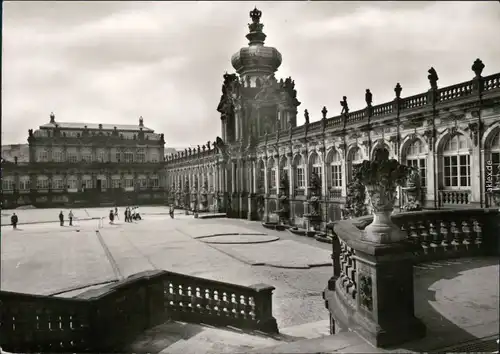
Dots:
{"x": 102, "y": 62}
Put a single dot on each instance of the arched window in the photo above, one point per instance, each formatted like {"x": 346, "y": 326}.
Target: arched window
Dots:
{"x": 283, "y": 166}
{"x": 316, "y": 166}
{"x": 416, "y": 156}
{"x": 262, "y": 175}
{"x": 355, "y": 158}
{"x": 456, "y": 163}
{"x": 494, "y": 156}
{"x": 300, "y": 181}
{"x": 335, "y": 175}
{"x": 272, "y": 173}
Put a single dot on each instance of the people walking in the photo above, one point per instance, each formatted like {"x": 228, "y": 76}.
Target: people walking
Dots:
{"x": 171, "y": 211}
{"x": 61, "y": 218}
{"x": 14, "y": 220}
{"x": 116, "y": 213}
{"x": 111, "y": 216}
{"x": 70, "y": 217}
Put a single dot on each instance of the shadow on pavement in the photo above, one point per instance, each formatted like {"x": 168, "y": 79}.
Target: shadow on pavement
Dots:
{"x": 441, "y": 332}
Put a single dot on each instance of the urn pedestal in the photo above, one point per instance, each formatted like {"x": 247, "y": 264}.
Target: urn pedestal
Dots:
{"x": 382, "y": 230}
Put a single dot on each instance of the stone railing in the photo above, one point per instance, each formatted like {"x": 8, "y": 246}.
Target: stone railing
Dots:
{"x": 335, "y": 193}
{"x": 451, "y": 197}
{"x": 371, "y": 290}
{"x": 109, "y": 318}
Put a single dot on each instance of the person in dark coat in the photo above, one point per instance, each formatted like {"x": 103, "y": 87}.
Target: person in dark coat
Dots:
{"x": 171, "y": 211}
{"x": 126, "y": 214}
{"x": 61, "y": 218}
{"x": 111, "y": 216}
{"x": 70, "y": 217}
{"x": 14, "y": 220}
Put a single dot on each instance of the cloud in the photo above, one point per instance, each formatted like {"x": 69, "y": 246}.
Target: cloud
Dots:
{"x": 106, "y": 62}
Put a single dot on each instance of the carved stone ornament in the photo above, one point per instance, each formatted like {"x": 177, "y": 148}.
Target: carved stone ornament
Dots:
{"x": 365, "y": 292}
{"x": 475, "y": 132}
{"x": 429, "y": 135}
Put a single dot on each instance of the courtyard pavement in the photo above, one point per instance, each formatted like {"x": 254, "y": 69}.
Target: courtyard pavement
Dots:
{"x": 46, "y": 258}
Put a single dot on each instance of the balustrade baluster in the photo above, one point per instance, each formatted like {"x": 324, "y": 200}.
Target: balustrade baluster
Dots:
{"x": 467, "y": 234}
{"x": 414, "y": 237}
{"x": 456, "y": 236}
{"x": 424, "y": 236}
{"x": 445, "y": 233}
{"x": 434, "y": 237}
{"x": 479, "y": 234}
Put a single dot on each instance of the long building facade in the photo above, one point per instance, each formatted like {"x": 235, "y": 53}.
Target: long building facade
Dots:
{"x": 84, "y": 164}
{"x": 452, "y": 134}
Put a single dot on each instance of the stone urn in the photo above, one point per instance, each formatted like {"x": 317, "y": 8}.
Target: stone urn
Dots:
{"x": 381, "y": 178}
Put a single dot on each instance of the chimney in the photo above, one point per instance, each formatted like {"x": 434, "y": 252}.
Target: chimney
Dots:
{"x": 52, "y": 117}
{"x": 141, "y": 121}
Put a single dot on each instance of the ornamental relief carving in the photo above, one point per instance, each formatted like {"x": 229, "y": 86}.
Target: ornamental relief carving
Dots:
{"x": 365, "y": 292}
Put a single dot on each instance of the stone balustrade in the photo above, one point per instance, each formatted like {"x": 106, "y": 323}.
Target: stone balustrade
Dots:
{"x": 108, "y": 318}
{"x": 371, "y": 290}
{"x": 454, "y": 197}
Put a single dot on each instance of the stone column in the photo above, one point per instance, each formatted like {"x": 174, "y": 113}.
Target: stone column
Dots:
{"x": 291, "y": 176}
{"x": 475, "y": 179}
{"x": 252, "y": 205}
{"x": 266, "y": 189}
{"x": 306, "y": 172}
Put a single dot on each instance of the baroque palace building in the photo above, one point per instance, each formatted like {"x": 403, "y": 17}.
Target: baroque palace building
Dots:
{"x": 83, "y": 164}
{"x": 452, "y": 134}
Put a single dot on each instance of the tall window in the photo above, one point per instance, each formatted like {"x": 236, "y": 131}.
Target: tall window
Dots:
{"x": 300, "y": 181}
{"x": 72, "y": 156}
{"x": 316, "y": 166}
{"x": 416, "y": 157}
{"x": 116, "y": 182}
{"x": 72, "y": 182}
{"x": 272, "y": 173}
{"x": 43, "y": 155}
{"x": 262, "y": 176}
{"x": 42, "y": 182}
{"x": 102, "y": 156}
{"x": 155, "y": 181}
{"x": 24, "y": 183}
{"x": 355, "y": 158}
{"x": 494, "y": 157}
{"x": 142, "y": 181}
{"x": 129, "y": 157}
{"x": 57, "y": 183}
{"x": 129, "y": 182}
{"x": 335, "y": 169}
{"x": 118, "y": 157}
{"x": 7, "y": 184}
{"x": 57, "y": 156}
{"x": 141, "y": 156}
{"x": 87, "y": 182}
{"x": 456, "y": 163}
{"x": 86, "y": 156}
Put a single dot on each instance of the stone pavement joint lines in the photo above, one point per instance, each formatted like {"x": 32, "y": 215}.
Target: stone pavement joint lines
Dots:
{"x": 109, "y": 256}
{"x": 232, "y": 234}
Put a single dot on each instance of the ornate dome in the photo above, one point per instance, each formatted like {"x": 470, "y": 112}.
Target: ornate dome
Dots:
{"x": 256, "y": 57}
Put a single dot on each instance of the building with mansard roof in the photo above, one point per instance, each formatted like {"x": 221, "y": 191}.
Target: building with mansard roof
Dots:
{"x": 452, "y": 134}
{"x": 84, "y": 164}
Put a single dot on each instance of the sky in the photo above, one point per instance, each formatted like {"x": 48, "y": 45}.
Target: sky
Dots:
{"x": 111, "y": 62}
